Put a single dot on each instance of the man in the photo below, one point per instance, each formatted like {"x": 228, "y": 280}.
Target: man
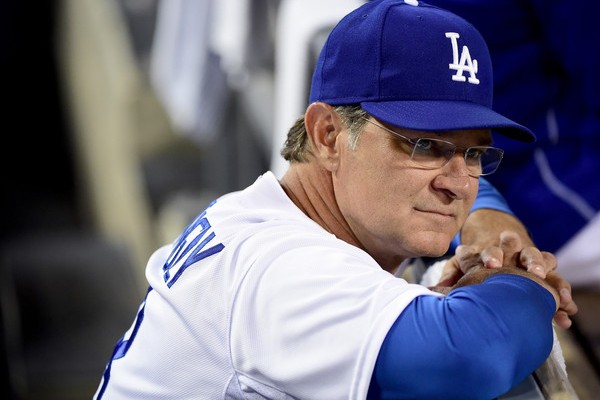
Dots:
{"x": 289, "y": 290}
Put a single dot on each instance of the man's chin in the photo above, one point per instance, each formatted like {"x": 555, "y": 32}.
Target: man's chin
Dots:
{"x": 434, "y": 245}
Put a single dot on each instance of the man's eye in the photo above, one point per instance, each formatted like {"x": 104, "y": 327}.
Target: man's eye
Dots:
{"x": 424, "y": 145}
{"x": 474, "y": 154}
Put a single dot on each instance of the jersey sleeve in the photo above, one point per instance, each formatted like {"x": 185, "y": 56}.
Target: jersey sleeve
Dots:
{"x": 489, "y": 197}
{"x": 475, "y": 343}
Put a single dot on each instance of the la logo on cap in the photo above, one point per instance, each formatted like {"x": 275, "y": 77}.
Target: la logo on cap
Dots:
{"x": 464, "y": 64}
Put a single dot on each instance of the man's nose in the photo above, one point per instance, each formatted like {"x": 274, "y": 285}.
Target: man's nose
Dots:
{"x": 454, "y": 178}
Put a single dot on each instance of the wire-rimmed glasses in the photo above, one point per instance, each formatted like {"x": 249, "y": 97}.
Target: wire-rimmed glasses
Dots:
{"x": 434, "y": 153}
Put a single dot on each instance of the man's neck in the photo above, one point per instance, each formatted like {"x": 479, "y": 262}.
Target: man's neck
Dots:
{"x": 311, "y": 189}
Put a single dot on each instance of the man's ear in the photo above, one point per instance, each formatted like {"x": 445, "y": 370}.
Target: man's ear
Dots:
{"x": 323, "y": 126}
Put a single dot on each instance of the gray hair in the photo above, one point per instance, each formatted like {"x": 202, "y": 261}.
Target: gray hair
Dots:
{"x": 296, "y": 146}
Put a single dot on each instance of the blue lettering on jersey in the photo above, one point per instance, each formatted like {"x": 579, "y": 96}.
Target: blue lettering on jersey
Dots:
{"x": 191, "y": 248}
{"x": 122, "y": 347}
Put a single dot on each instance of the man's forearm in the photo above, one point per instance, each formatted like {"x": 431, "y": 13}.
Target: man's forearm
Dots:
{"x": 483, "y": 227}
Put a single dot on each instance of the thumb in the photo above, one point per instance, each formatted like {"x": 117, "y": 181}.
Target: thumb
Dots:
{"x": 451, "y": 273}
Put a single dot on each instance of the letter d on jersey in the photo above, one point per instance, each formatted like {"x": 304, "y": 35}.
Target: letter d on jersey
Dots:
{"x": 464, "y": 64}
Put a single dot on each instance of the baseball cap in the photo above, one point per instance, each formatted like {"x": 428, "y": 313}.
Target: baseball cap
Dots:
{"x": 411, "y": 65}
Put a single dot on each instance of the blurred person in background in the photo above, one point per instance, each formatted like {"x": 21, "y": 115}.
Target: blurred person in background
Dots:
{"x": 546, "y": 61}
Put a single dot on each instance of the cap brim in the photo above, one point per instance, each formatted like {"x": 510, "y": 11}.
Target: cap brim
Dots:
{"x": 439, "y": 115}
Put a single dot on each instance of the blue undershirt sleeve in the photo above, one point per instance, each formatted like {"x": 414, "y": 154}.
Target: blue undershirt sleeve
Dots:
{"x": 476, "y": 343}
{"x": 487, "y": 197}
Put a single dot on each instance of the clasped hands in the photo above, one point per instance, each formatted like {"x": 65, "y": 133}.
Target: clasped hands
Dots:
{"x": 471, "y": 265}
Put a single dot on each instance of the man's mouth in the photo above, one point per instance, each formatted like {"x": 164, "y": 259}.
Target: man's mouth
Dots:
{"x": 444, "y": 213}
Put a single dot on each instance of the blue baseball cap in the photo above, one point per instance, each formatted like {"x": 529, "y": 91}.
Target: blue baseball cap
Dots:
{"x": 414, "y": 66}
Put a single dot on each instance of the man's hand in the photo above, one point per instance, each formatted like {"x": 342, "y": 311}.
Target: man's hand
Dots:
{"x": 510, "y": 252}
{"x": 472, "y": 264}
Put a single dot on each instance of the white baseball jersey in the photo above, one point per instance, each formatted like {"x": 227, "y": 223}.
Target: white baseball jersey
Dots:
{"x": 255, "y": 300}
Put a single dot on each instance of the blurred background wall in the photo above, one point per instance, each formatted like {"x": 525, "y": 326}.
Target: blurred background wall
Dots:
{"x": 101, "y": 166}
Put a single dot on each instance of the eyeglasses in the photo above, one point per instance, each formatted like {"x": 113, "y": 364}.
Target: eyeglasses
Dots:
{"x": 435, "y": 153}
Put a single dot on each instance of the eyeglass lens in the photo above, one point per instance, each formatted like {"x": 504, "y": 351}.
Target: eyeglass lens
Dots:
{"x": 434, "y": 153}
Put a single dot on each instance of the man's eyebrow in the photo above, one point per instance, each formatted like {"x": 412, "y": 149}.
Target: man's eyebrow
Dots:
{"x": 482, "y": 141}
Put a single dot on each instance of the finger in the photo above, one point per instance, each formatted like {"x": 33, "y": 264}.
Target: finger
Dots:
{"x": 451, "y": 273}
{"x": 468, "y": 257}
{"x": 511, "y": 245}
{"x": 492, "y": 257}
{"x": 550, "y": 261}
{"x": 562, "y": 286}
{"x": 533, "y": 261}
{"x": 562, "y": 319}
